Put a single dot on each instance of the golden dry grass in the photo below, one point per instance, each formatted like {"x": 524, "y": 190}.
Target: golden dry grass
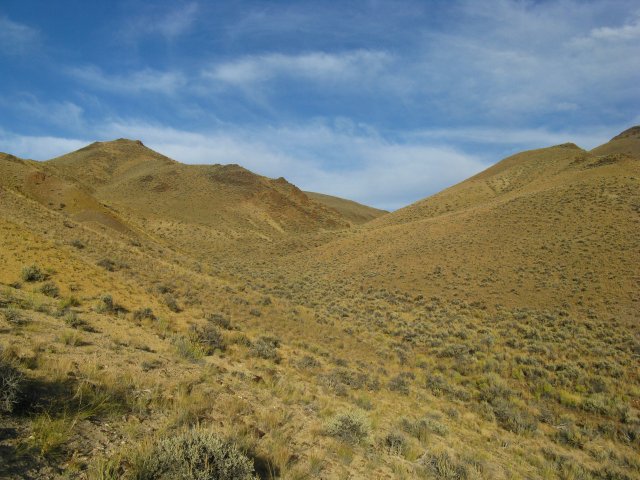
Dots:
{"x": 369, "y": 352}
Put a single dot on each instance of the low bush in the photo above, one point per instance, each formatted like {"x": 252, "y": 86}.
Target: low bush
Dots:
{"x": 11, "y": 383}
{"x": 266, "y": 347}
{"x": 513, "y": 418}
{"x": 172, "y": 303}
{"x": 197, "y": 454}
{"x": 187, "y": 348}
{"x": 33, "y": 273}
{"x": 50, "y": 289}
{"x": 351, "y": 427}
{"x": 74, "y": 321}
{"x": 394, "y": 443}
{"x": 144, "y": 313}
{"x": 210, "y": 338}
{"x": 400, "y": 383}
{"x": 76, "y": 243}
{"x": 443, "y": 465}
{"x": 219, "y": 320}
{"x": 108, "y": 264}
{"x": 15, "y": 317}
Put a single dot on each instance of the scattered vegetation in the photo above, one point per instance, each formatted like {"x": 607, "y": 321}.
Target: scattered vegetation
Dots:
{"x": 33, "y": 273}
{"x": 351, "y": 427}
{"x": 11, "y": 384}
{"x": 197, "y": 454}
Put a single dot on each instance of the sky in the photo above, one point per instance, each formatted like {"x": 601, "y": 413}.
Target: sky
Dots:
{"x": 382, "y": 102}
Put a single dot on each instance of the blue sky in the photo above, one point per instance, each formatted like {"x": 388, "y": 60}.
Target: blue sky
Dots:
{"x": 384, "y": 102}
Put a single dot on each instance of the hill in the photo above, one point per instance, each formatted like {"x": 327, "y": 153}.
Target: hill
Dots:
{"x": 555, "y": 227}
{"x": 353, "y": 211}
{"x": 142, "y": 332}
{"x": 231, "y": 208}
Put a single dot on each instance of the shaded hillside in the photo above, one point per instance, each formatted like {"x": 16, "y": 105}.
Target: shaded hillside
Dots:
{"x": 550, "y": 228}
{"x": 353, "y": 211}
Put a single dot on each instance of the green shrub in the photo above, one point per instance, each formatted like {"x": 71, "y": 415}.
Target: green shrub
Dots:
{"x": 73, "y": 321}
{"x": 513, "y": 418}
{"x": 351, "y": 427}
{"x": 33, "y": 273}
{"x": 172, "y": 303}
{"x": 196, "y": 455}
{"x": 266, "y": 347}
{"x": 105, "y": 304}
{"x": 395, "y": 443}
{"x": 11, "y": 383}
{"x": 15, "y": 317}
{"x": 210, "y": 338}
{"x": 50, "y": 289}
{"x": 423, "y": 427}
{"x": 68, "y": 302}
{"x": 443, "y": 465}
{"x": 144, "y": 313}
{"x": 307, "y": 362}
{"x": 219, "y": 320}
{"x": 400, "y": 383}
{"x": 187, "y": 348}
{"x": 108, "y": 264}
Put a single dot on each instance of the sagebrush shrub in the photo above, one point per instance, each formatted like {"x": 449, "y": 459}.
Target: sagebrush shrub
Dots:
{"x": 33, "y": 273}
{"x": 11, "y": 383}
{"x": 15, "y": 317}
{"x": 266, "y": 347}
{"x": 197, "y": 454}
{"x": 50, "y": 289}
{"x": 172, "y": 303}
{"x": 219, "y": 320}
{"x": 210, "y": 338}
{"x": 144, "y": 313}
{"x": 394, "y": 443}
{"x": 106, "y": 304}
{"x": 351, "y": 427}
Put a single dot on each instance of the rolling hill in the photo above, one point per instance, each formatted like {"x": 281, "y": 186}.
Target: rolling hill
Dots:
{"x": 154, "y": 314}
{"x": 555, "y": 227}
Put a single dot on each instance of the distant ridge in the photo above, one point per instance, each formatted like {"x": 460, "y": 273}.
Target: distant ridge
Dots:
{"x": 552, "y": 227}
{"x": 355, "y": 212}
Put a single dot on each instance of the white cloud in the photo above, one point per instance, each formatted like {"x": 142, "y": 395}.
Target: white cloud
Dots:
{"x": 314, "y": 66}
{"x": 625, "y": 32}
{"x": 522, "y": 137}
{"x": 62, "y": 114}
{"x": 38, "y": 147}
{"x": 354, "y": 162}
{"x": 169, "y": 24}
{"x": 16, "y": 38}
{"x": 514, "y": 60}
{"x": 146, "y": 80}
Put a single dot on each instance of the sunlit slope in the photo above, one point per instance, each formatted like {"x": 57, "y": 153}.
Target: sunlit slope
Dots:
{"x": 550, "y": 228}
{"x": 34, "y": 181}
{"x": 627, "y": 143}
{"x": 355, "y": 212}
{"x": 201, "y": 208}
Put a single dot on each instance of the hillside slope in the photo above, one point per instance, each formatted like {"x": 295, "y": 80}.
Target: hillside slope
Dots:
{"x": 35, "y": 181}
{"x": 549, "y": 228}
{"x": 215, "y": 209}
{"x": 355, "y": 212}
{"x": 362, "y": 357}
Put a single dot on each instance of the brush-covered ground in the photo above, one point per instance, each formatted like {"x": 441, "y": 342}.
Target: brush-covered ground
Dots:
{"x": 125, "y": 354}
